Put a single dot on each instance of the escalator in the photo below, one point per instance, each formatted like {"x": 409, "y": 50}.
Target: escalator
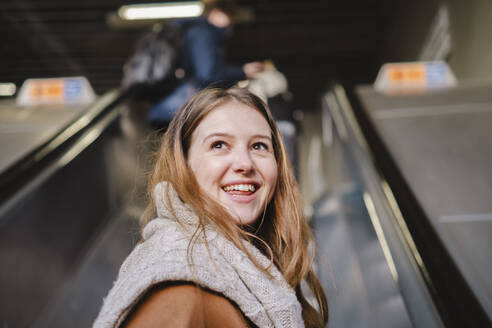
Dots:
{"x": 405, "y": 220}
{"x": 71, "y": 188}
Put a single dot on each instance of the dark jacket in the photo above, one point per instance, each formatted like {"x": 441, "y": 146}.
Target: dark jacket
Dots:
{"x": 204, "y": 61}
{"x": 204, "y": 55}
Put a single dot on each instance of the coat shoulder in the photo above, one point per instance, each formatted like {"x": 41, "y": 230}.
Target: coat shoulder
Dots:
{"x": 182, "y": 304}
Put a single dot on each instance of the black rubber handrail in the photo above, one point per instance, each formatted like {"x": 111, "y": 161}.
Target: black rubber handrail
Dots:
{"x": 458, "y": 306}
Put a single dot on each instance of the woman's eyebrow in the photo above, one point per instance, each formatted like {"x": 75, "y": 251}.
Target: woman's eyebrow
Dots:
{"x": 228, "y": 135}
{"x": 262, "y": 136}
{"x": 217, "y": 134}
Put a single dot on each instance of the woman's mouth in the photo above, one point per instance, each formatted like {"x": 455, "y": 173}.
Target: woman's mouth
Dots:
{"x": 241, "y": 189}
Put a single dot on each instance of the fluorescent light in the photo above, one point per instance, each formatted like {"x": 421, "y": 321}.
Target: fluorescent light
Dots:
{"x": 7, "y": 89}
{"x": 163, "y": 10}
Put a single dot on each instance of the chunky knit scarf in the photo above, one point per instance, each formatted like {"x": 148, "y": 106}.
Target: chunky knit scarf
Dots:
{"x": 220, "y": 266}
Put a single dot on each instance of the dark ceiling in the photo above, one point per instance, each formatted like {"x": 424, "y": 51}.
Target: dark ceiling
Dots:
{"x": 310, "y": 41}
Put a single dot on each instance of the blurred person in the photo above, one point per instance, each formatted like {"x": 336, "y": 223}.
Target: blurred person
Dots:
{"x": 203, "y": 54}
{"x": 224, "y": 242}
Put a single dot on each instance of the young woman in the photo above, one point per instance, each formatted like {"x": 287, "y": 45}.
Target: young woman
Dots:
{"x": 224, "y": 241}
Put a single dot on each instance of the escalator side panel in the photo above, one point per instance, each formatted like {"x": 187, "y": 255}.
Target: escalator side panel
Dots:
{"x": 45, "y": 233}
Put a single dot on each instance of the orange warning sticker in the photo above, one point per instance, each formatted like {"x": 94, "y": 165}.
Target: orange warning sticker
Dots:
{"x": 47, "y": 90}
{"x": 407, "y": 73}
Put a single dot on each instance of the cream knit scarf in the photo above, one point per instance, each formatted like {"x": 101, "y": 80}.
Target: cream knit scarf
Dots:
{"x": 222, "y": 267}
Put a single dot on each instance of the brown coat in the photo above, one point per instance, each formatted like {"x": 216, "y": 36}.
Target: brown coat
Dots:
{"x": 183, "y": 305}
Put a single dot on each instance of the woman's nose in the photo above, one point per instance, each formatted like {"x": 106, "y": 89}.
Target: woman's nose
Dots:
{"x": 242, "y": 162}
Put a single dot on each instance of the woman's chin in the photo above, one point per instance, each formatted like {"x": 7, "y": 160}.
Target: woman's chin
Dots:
{"x": 244, "y": 216}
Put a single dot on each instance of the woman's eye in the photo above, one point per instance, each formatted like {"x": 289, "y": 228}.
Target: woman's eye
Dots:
{"x": 218, "y": 145}
{"x": 260, "y": 146}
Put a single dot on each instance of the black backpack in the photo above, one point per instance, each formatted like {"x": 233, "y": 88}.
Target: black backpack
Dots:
{"x": 154, "y": 66}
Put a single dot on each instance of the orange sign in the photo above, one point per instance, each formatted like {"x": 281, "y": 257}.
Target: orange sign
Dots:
{"x": 409, "y": 73}
{"x": 47, "y": 90}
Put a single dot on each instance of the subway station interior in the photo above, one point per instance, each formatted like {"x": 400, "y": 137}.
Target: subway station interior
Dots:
{"x": 395, "y": 178}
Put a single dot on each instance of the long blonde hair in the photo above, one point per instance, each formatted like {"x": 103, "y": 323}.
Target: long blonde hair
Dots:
{"x": 284, "y": 235}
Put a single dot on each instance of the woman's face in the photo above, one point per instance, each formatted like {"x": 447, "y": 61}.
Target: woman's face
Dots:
{"x": 231, "y": 154}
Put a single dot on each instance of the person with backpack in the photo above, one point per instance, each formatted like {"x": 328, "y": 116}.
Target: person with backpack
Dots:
{"x": 203, "y": 58}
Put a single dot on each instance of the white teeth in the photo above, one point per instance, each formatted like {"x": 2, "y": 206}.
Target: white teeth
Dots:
{"x": 240, "y": 187}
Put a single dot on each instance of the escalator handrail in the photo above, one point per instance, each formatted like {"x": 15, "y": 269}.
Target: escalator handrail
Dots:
{"x": 398, "y": 255}
{"x": 22, "y": 171}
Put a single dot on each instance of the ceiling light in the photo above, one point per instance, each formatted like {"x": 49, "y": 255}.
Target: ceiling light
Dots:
{"x": 7, "y": 89}
{"x": 161, "y": 10}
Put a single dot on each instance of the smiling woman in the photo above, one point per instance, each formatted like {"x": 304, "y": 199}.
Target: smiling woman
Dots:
{"x": 224, "y": 241}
